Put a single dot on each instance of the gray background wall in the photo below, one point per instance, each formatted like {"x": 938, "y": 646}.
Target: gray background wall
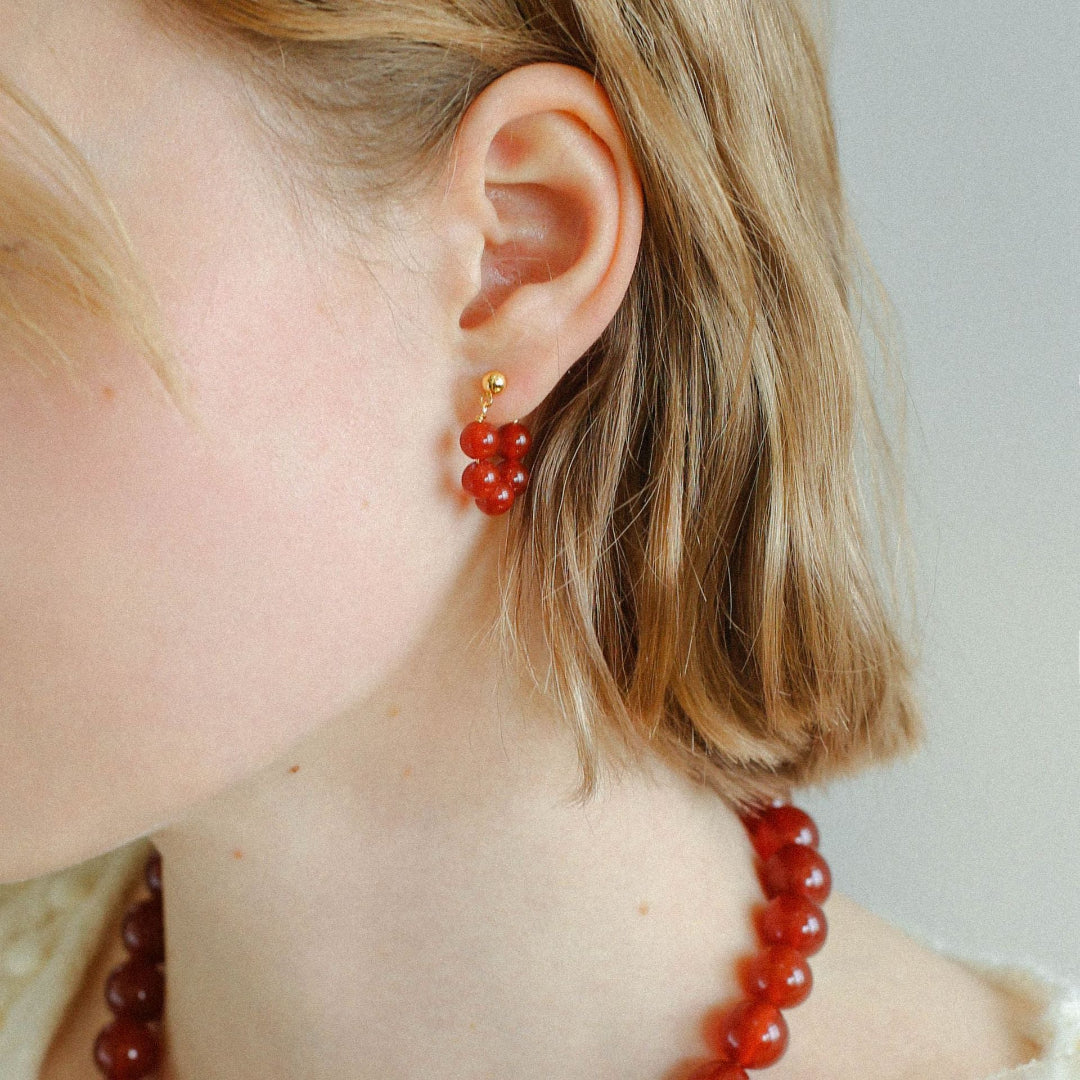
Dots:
{"x": 959, "y": 129}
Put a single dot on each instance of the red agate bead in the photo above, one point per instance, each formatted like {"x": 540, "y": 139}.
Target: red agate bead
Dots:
{"x": 479, "y": 439}
{"x": 792, "y": 919}
{"x": 514, "y": 440}
{"x": 125, "y": 1050}
{"x": 144, "y": 929}
{"x": 136, "y": 989}
{"x": 797, "y": 868}
{"x": 755, "y": 1035}
{"x": 779, "y": 975}
{"x": 480, "y": 477}
{"x": 780, "y": 825}
{"x": 515, "y": 474}
{"x": 719, "y": 1070}
{"x": 152, "y": 872}
{"x": 499, "y": 500}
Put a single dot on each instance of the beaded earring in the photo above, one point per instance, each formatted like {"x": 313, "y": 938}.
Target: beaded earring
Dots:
{"x": 494, "y": 484}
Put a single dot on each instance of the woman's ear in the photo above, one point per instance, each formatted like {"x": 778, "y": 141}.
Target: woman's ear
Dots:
{"x": 543, "y": 210}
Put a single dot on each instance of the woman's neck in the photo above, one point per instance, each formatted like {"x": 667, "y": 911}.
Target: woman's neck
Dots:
{"x": 422, "y": 897}
{"x": 314, "y": 931}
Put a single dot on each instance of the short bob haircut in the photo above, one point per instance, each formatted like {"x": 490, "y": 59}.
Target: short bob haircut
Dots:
{"x": 703, "y": 573}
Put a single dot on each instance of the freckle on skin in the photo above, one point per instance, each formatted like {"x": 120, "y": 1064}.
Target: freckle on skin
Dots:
{"x": 643, "y": 907}
{"x": 406, "y": 772}
{"x": 109, "y": 392}
{"x": 294, "y": 768}
{"x": 237, "y": 853}
{"x": 393, "y": 710}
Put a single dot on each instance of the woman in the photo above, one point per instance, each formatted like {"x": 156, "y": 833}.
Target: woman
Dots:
{"x": 443, "y": 782}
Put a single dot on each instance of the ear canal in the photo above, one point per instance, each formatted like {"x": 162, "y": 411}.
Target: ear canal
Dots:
{"x": 542, "y": 234}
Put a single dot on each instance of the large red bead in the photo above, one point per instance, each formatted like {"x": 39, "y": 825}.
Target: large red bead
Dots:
{"x": 791, "y": 919}
{"x": 514, "y": 440}
{"x": 144, "y": 929}
{"x": 480, "y": 477}
{"x": 779, "y": 975}
{"x": 719, "y": 1070}
{"x": 515, "y": 474}
{"x": 479, "y": 439}
{"x": 751, "y": 815}
{"x": 755, "y": 1035}
{"x": 125, "y": 1050}
{"x": 780, "y": 825}
{"x": 499, "y": 500}
{"x": 152, "y": 871}
{"x": 797, "y": 868}
{"x": 136, "y": 988}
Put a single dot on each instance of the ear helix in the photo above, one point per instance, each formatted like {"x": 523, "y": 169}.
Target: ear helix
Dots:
{"x": 494, "y": 484}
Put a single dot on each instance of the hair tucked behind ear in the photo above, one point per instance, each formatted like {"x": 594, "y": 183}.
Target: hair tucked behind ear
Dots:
{"x": 694, "y": 536}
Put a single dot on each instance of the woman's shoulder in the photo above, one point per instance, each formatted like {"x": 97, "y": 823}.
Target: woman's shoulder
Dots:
{"x": 1040, "y": 1005}
{"x": 910, "y": 1007}
{"x": 889, "y": 1003}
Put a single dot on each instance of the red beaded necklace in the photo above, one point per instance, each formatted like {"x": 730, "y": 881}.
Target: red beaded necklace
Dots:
{"x": 752, "y": 1035}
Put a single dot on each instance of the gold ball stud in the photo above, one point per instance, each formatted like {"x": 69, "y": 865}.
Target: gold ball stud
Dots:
{"x": 494, "y": 382}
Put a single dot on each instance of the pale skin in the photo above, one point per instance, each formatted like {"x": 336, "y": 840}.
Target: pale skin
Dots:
{"x": 188, "y": 616}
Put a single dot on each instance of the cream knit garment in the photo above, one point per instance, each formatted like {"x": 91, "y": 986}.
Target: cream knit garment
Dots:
{"x": 50, "y": 930}
{"x": 51, "y": 927}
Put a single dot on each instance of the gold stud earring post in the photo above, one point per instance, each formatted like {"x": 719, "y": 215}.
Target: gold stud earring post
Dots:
{"x": 492, "y": 383}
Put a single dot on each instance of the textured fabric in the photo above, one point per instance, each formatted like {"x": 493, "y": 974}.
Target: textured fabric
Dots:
{"x": 51, "y": 928}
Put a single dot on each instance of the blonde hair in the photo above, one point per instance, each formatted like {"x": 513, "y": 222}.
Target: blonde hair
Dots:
{"x": 694, "y": 537}
{"x": 63, "y": 245}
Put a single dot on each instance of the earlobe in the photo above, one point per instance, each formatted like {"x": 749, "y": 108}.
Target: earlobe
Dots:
{"x": 542, "y": 172}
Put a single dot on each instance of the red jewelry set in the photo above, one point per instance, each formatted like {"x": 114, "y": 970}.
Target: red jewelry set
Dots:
{"x": 494, "y": 485}
{"x": 793, "y": 875}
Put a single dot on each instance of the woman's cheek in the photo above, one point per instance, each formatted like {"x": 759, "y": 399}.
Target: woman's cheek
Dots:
{"x": 177, "y": 607}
